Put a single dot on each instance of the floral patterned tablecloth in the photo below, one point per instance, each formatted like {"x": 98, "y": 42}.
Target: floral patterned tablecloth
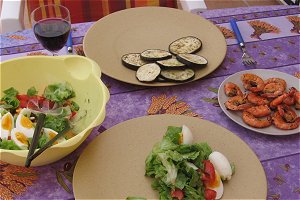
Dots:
{"x": 272, "y": 35}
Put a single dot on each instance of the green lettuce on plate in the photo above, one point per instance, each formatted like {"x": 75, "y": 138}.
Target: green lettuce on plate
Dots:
{"x": 173, "y": 166}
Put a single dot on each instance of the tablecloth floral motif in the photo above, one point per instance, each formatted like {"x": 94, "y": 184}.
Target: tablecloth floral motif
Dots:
{"x": 295, "y": 20}
{"x": 261, "y": 27}
{"x": 14, "y": 180}
{"x": 37, "y": 53}
{"x": 169, "y": 105}
{"x": 226, "y": 32}
{"x": 17, "y": 37}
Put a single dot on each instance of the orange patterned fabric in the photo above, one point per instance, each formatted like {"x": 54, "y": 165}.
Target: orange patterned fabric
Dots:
{"x": 92, "y": 10}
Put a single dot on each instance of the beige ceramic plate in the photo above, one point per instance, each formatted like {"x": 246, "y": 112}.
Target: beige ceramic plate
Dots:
{"x": 137, "y": 29}
{"x": 264, "y": 74}
{"x": 113, "y": 165}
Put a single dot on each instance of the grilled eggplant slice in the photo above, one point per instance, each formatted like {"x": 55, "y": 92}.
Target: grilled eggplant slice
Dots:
{"x": 132, "y": 61}
{"x": 148, "y": 72}
{"x": 155, "y": 55}
{"x": 189, "y": 44}
{"x": 171, "y": 63}
{"x": 192, "y": 60}
{"x": 178, "y": 75}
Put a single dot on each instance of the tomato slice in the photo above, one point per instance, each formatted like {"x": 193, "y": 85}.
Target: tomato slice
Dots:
{"x": 34, "y": 101}
{"x": 23, "y": 100}
{"x": 210, "y": 194}
{"x": 73, "y": 114}
{"x": 178, "y": 193}
{"x": 208, "y": 174}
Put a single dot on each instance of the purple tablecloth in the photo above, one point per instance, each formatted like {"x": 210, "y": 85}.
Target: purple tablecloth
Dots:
{"x": 272, "y": 35}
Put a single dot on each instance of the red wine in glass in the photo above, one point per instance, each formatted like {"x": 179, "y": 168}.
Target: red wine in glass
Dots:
{"x": 52, "y": 33}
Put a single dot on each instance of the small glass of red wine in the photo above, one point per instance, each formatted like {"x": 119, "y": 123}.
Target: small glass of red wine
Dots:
{"x": 51, "y": 26}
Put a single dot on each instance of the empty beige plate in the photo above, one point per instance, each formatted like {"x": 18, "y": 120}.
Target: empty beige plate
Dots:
{"x": 113, "y": 165}
{"x": 137, "y": 29}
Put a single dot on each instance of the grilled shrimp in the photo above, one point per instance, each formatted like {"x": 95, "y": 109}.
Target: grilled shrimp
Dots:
{"x": 273, "y": 90}
{"x": 232, "y": 90}
{"x": 259, "y": 111}
{"x": 237, "y": 103}
{"x": 257, "y": 100}
{"x": 277, "y": 101}
{"x": 249, "y": 119}
{"x": 297, "y": 100}
{"x": 252, "y": 82}
{"x": 276, "y": 80}
{"x": 290, "y": 100}
{"x": 280, "y": 123}
{"x": 287, "y": 113}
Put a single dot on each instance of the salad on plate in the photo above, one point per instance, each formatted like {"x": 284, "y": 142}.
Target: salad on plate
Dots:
{"x": 182, "y": 169}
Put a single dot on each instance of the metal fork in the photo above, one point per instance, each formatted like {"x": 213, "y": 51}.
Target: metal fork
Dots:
{"x": 246, "y": 58}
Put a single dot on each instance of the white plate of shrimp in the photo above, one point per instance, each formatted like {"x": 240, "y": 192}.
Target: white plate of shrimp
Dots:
{"x": 264, "y": 101}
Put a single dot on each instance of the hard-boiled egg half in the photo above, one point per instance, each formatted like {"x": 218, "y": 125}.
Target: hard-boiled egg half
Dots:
{"x": 24, "y": 124}
{"x": 49, "y": 133}
{"x": 7, "y": 124}
{"x": 221, "y": 165}
{"x": 19, "y": 138}
{"x": 186, "y": 136}
{"x": 217, "y": 186}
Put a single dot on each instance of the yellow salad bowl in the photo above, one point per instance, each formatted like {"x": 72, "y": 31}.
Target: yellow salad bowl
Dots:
{"x": 39, "y": 71}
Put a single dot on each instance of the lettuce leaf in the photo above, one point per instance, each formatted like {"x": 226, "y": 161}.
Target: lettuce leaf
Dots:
{"x": 173, "y": 134}
{"x": 42, "y": 141}
{"x": 59, "y": 92}
{"x": 8, "y": 144}
{"x": 32, "y": 91}
{"x": 192, "y": 193}
{"x": 170, "y": 168}
{"x": 181, "y": 180}
{"x": 56, "y": 123}
{"x": 167, "y": 164}
{"x": 163, "y": 189}
{"x": 11, "y": 92}
{"x": 10, "y": 98}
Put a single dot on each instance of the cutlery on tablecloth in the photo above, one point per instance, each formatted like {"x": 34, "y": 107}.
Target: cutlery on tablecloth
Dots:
{"x": 70, "y": 43}
{"x": 246, "y": 58}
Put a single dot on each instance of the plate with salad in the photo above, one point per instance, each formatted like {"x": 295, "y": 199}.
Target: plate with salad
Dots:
{"x": 168, "y": 157}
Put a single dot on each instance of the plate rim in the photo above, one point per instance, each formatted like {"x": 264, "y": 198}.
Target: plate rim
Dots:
{"x": 228, "y": 113}
{"x": 264, "y": 178}
{"x": 156, "y": 84}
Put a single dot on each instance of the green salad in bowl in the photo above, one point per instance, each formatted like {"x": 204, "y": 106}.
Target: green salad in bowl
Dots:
{"x": 19, "y": 113}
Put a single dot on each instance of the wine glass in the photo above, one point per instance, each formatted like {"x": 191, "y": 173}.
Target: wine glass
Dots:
{"x": 51, "y": 26}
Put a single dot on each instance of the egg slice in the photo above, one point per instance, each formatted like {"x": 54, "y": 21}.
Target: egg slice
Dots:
{"x": 26, "y": 112}
{"x": 19, "y": 138}
{"x": 221, "y": 164}
{"x": 24, "y": 124}
{"x": 49, "y": 133}
{"x": 7, "y": 124}
{"x": 217, "y": 186}
{"x": 186, "y": 136}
